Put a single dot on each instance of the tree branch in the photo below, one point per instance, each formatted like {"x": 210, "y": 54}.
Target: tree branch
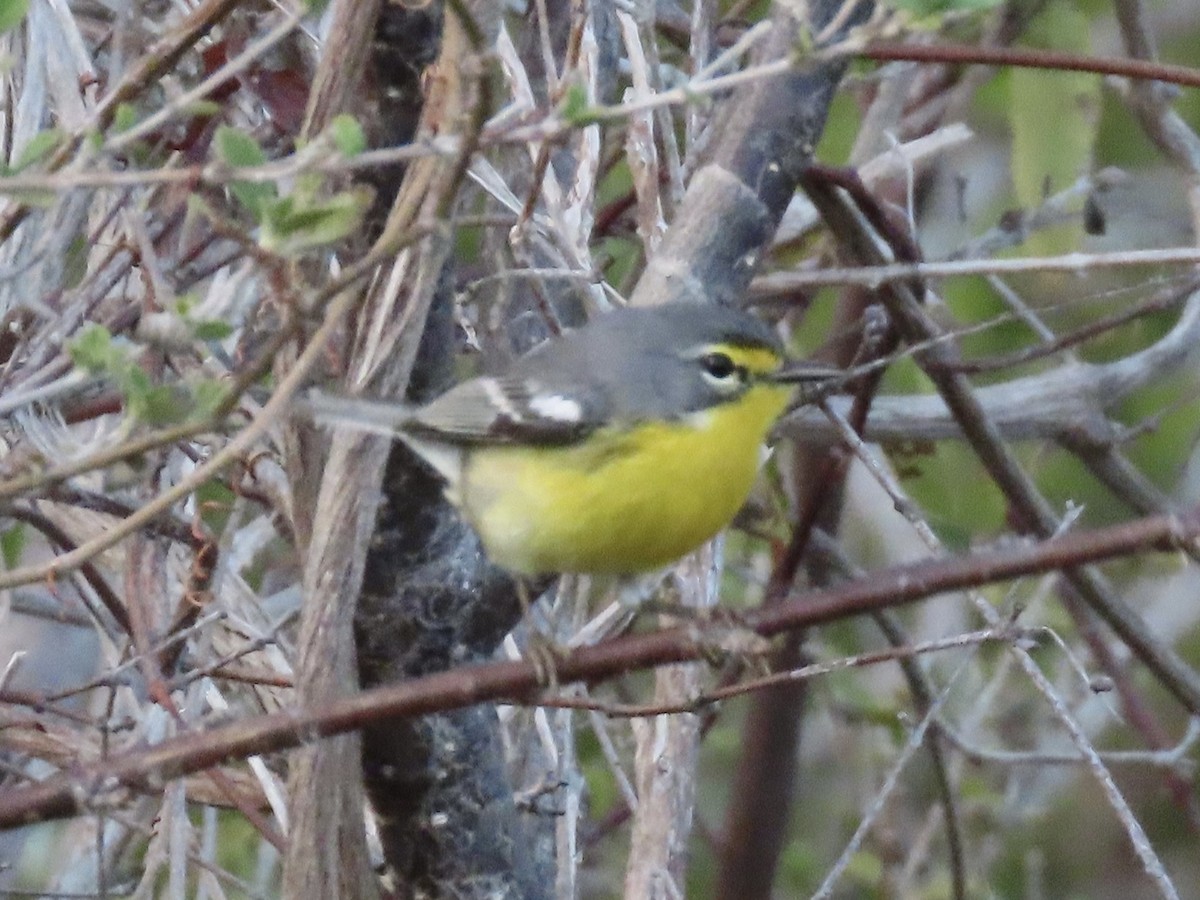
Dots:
{"x": 98, "y": 786}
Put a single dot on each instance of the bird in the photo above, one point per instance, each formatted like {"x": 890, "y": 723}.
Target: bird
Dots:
{"x": 613, "y": 449}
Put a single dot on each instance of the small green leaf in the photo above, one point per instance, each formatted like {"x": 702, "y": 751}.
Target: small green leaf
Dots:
{"x": 12, "y": 545}
{"x": 1048, "y": 159}
{"x": 75, "y": 260}
{"x": 238, "y": 149}
{"x": 307, "y": 189}
{"x": 38, "y": 148}
{"x": 94, "y": 351}
{"x": 866, "y": 868}
{"x": 207, "y": 395}
{"x": 575, "y": 107}
{"x": 290, "y": 228}
{"x": 124, "y": 118}
{"x": 211, "y": 329}
{"x": 348, "y": 135}
{"x": 202, "y": 108}
{"x": 254, "y": 196}
{"x": 161, "y": 406}
{"x": 11, "y": 13}
{"x": 804, "y": 46}
{"x": 198, "y": 208}
{"x": 277, "y": 213}
{"x": 135, "y": 383}
{"x": 155, "y": 404}
{"x": 214, "y": 500}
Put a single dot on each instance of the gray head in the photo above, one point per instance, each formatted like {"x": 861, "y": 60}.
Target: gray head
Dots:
{"x": 656, "y": 362}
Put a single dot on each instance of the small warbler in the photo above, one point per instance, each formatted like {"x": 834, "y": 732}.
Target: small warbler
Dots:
{"x": 613, "y": 449}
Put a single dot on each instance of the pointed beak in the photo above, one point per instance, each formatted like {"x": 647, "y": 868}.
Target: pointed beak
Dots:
{"x": 807, "y": 373}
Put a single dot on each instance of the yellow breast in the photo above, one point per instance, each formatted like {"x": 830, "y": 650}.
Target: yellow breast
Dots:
{"x": 619, "y": 503}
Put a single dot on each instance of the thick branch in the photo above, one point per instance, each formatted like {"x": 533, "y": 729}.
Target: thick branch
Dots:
{"x": 733, "y": 206}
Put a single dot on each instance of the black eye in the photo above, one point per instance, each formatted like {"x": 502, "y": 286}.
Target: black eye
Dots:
{"x": 718, "y": 365}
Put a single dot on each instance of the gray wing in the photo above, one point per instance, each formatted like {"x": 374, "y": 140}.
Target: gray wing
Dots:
{"x": 510, "y": 409}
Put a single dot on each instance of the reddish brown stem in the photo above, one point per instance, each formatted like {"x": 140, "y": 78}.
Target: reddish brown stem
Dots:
{"x": 101, "y": 784}
{"x": 1031, "y": 58}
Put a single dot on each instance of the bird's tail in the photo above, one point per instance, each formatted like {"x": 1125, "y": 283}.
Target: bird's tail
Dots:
{"x": 382, "y": 417}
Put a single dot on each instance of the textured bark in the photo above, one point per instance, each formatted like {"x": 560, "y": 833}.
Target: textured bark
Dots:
{"x": 327, "y": 853}
{"x": 430, "y": 600}
{"x": 728, "y": 216}
{"x": 734, "y": 204}
{"x": 668, "y": 750}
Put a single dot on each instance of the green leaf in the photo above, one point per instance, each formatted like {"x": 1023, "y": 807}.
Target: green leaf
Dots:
{"x": 290, "y": 228}
{"x": 1054, "y": 117}
{"x": 575, "y": 107}
{"x": 94, "y": 351}
{"x": 38, "y": 148}
{"x": 198, "y": 208}
{"x": 139, "y": 152}
{"x": 239, "y": 150}
{"x": 211, "y": 329}
{"x": 97, "y": 352}
{"x": 866, "y": 868}
{"x": 307, "y": 189}
{"x": 75, "y": 261}
{"x": 202, "y": 108}
{"x": 348, "y": 135}
{"x": 253, "y": 195}
{"x": 155, "y": 404}
{"x": 207, "y": 395}
{"x": 161, "y": 405}
{"x": 11, "y": 13}
{"x": 12, "y": 545}
{"x": 214, "y": 501}
{"x": 124, "y": 118}
{"x": 135, "y": 382}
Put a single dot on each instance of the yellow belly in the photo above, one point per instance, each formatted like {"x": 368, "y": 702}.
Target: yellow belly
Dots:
{"x": 619, "y": 504}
